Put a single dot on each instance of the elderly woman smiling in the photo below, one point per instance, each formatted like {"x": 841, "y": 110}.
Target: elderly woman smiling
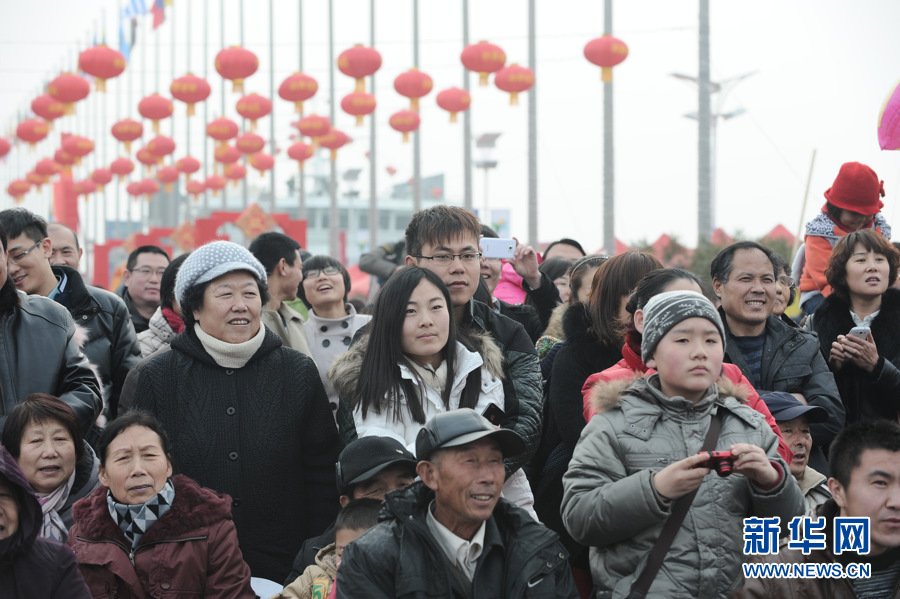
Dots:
{"x": 148, "y": 534}
{"x": 244, "y": 412}
{"x": 42, "y": 434}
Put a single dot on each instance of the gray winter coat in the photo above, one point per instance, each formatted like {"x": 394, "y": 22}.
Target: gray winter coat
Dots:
{"x": 609, "y": 502}
{"x": 39, "y": 354}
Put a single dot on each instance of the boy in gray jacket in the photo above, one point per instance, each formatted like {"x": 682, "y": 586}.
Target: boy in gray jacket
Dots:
{"x": 640, "y": 453}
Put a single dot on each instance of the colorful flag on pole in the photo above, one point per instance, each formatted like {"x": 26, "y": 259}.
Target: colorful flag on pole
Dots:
{"x": 128, "y": 20}
{"x": 159, "y": 13}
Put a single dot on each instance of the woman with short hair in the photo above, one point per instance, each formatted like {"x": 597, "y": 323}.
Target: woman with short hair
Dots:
{"x": 145, "y": 533}
{"x": 42, "y": 434}
{"x": 866, "y": 368}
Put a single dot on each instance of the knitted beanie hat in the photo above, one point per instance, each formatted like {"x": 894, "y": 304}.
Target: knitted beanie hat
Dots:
{"x": 212, "y": 261}
{"x": 857, "y": 189}
{"x": 665, "y": 310}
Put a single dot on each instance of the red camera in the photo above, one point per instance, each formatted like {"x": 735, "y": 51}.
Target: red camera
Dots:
{"x": 720, "y": 461}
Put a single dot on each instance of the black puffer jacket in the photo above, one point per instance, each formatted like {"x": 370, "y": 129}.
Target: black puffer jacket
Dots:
{"x": 32, "y": 566}
{"x": 39, "y": 354}
{"x": 866, "y": 395}
{"x": 400, "y": 557}
{"x": 263, "y": 434}
{"x": 111, "y": 343}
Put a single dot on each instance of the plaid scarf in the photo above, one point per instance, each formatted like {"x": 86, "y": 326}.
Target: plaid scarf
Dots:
{"x": 135, "y": 520}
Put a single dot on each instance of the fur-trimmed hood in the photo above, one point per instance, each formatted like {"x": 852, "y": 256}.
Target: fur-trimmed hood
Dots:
{"x": 555, "y": 325}
{"x": 194, "y": 507}
{"x": 344, "y": 373}
{"x": 607, "y": 395}
{"x": 578, "y": 326}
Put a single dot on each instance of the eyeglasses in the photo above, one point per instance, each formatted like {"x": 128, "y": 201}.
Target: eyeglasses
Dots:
{"x": 317, "y": 272}
{"x": 18, "y": 257}
{"x": 447, "y": 259}
{"x": 146, "y": 271}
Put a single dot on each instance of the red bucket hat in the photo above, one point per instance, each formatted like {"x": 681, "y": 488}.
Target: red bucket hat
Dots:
{"x": 856, "y": 188}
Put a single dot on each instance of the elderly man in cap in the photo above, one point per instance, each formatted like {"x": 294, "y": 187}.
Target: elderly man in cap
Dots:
{"x": 451, "y": 533}
{"x": 368, "y": 468}
{"x": 793, "y": 419}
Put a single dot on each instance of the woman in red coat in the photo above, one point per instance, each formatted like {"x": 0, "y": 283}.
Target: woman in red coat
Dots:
{"x": 145, "y": 534}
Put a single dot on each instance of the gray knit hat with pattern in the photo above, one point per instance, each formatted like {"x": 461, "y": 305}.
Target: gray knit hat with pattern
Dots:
{"x": 213, "y": 260}
{"x": 667, "y": 309}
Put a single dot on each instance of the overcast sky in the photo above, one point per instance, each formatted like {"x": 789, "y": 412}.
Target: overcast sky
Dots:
{"x": 823, "y": 70}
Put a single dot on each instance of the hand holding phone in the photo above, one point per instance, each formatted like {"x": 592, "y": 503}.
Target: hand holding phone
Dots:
{"x": 860, "y": 332}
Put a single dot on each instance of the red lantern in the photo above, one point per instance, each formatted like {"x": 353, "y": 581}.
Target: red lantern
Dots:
{"x": 149, "y": 188}
{"x": 413, "y": 84}
{"x": 297, "y": 89}
{"x": 32, "y": 131}
{"x": 37, "y": 180}
{"x": 68, "y": 89}
{"x": 161, "y": 146}
{"x": 135, "y": 188}
{"x": 606, "y": 52}
{"x": 254, "y": 107}
{"x": 249, "y": 143}
{"x": 147, "y": 158}
{"x": 359, "y": 62}
{"x": 300, "y": 152}
{"x": 155, "y": 108}
{"x": 405, "y": 121}
{"x": 46, "y": 167}
{"x": 121, "y": 167}
{"x": 314, "y": 126}
{"x": 84, "y": 187}
{"x": 64, "y": 159}
{"x": 222, "y": 130}
{"x": 483, "y": 58}
{"x": 188, "y": 165}
{"x": 101, "y": 176}
{"x": 18, "y": 188}
{"x": 4, "y": 147}
{"x": 236, "y": 64}
{"x": 514, "y": 79}
{"x": 195, "y": 188}
{"x": 47, "y": 108}
{"x": 102, "y": 63}
{"x": 126, "y": 131}
{"x": 334, "y": 140}
{"x": 454, "y": 100}
{"x": 235, "y": 172}
{"x": 358, "y": 104}
{"x": 190, "y": 89}
{"x": 77, "y": 146}
{"x": 215, "y": 183}
{"x": 262, "y": 162}
{"x": 168, "y": 176}
{"x": 226, "y": 154}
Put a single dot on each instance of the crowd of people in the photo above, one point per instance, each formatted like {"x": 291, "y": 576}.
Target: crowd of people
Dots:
{"x": 556, "y": 424}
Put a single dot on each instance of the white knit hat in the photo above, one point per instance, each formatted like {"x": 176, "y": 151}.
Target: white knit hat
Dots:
{"x": 213, "y": 260}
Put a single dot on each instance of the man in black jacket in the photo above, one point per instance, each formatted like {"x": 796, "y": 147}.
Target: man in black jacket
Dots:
{"x": 451, "y": 533}
{"x": 38, "y": 350}
{"x": 444, "y": 240}
{"x": 108, "y": 341}
{"x": 773, "y": 355}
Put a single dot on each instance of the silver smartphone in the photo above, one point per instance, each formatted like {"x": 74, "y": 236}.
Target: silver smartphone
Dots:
{"x": 860, "y": 332}
{"x": 493, "y": 247}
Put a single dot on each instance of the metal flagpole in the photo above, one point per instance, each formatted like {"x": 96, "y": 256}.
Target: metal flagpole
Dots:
{"x": 373, "y": 152}
{"x": 467, "y": 121}
{"x": 272, "y": 98}
{"x": 417, "y": 139}
{"x": 244, "y": 196}
{"x": 301, "y": 183}
{"x": 532, "y": 133}
{"x": 333, "y": 245}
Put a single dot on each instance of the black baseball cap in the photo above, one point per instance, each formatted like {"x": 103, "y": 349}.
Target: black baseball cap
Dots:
{"x": 365, "y": 457}
{"x": 785, "y": 406}
{"x": 461, "y": 427}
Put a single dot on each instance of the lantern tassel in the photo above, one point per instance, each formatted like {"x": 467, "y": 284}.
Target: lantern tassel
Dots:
{"x": 100, "y": 85}
{"x": 453, "y": 117}
{"x": 156, "y": 127}
{"x": 191, "y": 111}
{"x": 483, "y": 78}
{"x": 237, "y": 86}
{"x": 333, "y": 155}
{"x": 605, "y": 74}
{"x": 298, "y": 108}
{"x": 360, "y": 85}
{"x": 359, "y": 120}
{"x": 514, "y": 98}
{"x": 405, "y": 136}
{"x": 414, "y": 104}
